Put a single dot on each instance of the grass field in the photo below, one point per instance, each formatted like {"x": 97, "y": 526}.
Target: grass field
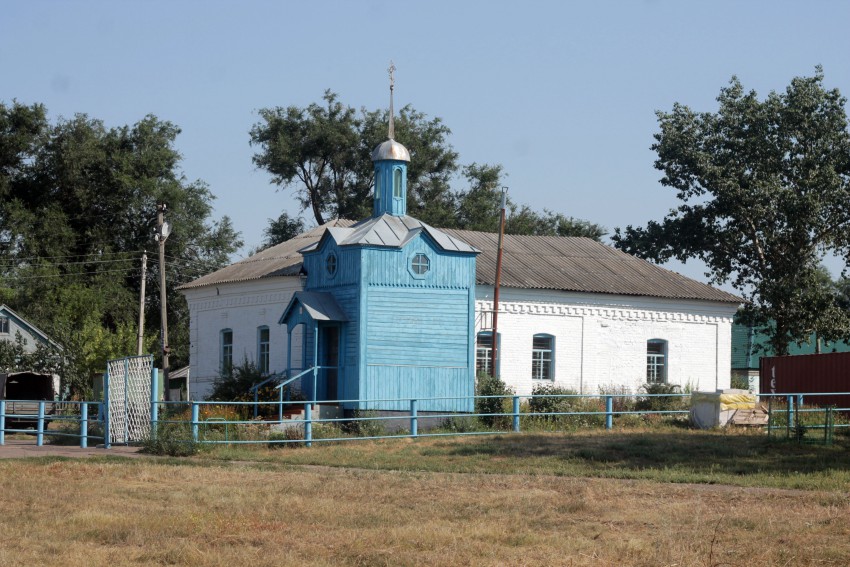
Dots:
{"x": 655, "y": 497}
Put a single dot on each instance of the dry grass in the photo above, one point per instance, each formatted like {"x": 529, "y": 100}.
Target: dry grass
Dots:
{"x": 149, "y": 512}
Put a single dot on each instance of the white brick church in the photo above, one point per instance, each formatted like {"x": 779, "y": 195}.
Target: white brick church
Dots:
{"x": 572, "y": 312}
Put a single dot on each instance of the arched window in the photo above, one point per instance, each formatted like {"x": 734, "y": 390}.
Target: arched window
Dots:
{"x": 542, "y": 357}
{"x": 377, "y": 186}
{"x": 656, "y": 361}
{"x": 331, "y": 264}
{"x": 263, "y": 344}
{"x": 397, "y": 183}
{"x": 226, "y": 351}
{"x": 484, "y": 352}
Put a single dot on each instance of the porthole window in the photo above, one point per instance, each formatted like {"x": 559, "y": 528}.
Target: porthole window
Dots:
{"x": 420, "y": 264}
{"x": 331, "y": 264}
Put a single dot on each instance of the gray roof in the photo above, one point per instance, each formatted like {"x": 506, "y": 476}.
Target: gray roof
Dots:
{"x": 530, "y": 262}
{"x": 579, "y": 264}
{"x": 281, "y": 260}
{"x": 391, "y": 231}
{"x": 321, "y": 306}
{"x": 390, "y": 150}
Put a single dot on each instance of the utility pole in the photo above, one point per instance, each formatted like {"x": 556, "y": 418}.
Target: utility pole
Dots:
{"x": 142, "y": 304}
{"x": 162, "y": 232}
{"x": 494, "y": 350}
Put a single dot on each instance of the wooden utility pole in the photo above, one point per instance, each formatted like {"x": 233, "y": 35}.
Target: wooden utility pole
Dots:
{"x": 140, "y": 346}
{"x": 494, "y": 350}
{"x": 162, "y": 231}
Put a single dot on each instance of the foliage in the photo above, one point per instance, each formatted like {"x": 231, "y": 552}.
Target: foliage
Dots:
{"x": 544, "y": 399}
{"x": 764, "y": 191}
{"x": 321, "y": 152}
{"x": 234, "y": 385}
{"x": 363, "y": 424}
{"x": 661, "y": 397}
{"x": 486, "y": 385}
{"x": 77, "y": 208}
{"x": 172, "y": 439}
{"x": 282, "y": 229}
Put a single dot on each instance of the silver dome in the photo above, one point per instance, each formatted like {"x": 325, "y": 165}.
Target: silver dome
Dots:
{"x": 390, "y": 150}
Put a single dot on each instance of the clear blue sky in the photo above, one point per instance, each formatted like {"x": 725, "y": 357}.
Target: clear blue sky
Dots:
{"x": 563, "y": 95}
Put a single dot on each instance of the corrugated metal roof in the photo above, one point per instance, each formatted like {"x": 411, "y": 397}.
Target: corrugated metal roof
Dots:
{"x": 281, "y": 260}
{"x": 579, "y": 264}
{"x": 530, "y": 262}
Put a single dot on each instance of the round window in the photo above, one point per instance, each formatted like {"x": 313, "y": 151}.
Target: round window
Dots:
{"x": 420, "y": 264}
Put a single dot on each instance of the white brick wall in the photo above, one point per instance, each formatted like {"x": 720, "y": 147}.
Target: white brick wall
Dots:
{"x": 600, "y": 340}
{"x": 242, "y": 307}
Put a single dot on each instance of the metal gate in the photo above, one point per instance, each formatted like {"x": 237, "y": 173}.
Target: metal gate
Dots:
{"x": 128, "y": 398}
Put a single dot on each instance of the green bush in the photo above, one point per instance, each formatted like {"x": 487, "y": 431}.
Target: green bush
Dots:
{"x": 661, "y": 397}
{"x": 362, "y": 426}
{"x": 486, "y": 385}
{"x": 173, "y": 439}
{"x": 622, "y": 398}
{"x": 548, "y": 403}
{"x": 459, "y": 424}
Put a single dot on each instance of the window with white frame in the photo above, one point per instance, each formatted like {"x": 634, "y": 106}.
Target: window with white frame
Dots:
{"x": 226, "y": 351}
{"x": 4, "y": 325}
{"x": 542, "y": 355}
{"x": 420, "y": 264}
{"x": 656, "y": 361}
{"x": 263, "y": 350}
{"x": 484, "y": 352}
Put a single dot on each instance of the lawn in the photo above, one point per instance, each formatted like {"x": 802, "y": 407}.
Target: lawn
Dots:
{"x": 656, "y": 497}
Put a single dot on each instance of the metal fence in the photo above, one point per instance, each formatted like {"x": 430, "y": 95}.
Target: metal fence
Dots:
{"x": 296, "y": 422}
{"x": 214, "y": 423}
{"x": 75, "y": 420}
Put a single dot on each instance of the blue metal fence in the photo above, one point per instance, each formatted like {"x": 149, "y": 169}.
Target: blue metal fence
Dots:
{"x": 516, "y": 410}
{"x": 76, "y": 416}
{"x": 202, "y": 423}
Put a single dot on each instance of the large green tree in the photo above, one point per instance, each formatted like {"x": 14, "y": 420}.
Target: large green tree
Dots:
{"x": 321, "y": 152}
{"x": 764, "y": 191}
{"x": 77, "y": 208}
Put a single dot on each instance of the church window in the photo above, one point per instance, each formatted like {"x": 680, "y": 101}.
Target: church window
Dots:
{"x": 484, "y": 352}
{"x": 656, "y": 359}
{"x": 4, "y": 325}
{"x": 226, "y": 351}
{"x": 542, "y": 350}
{"x": 420, "y": 264}
{"x": 397, "y": 183}
{"x": 378, "y": 186}
{"x": 263, "y": 344}
{"x": 331, "y": 264}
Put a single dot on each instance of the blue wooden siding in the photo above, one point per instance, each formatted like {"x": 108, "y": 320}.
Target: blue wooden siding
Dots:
{"x": 315, "y": 264}
{"x": 417, "y": 345}
{"x": 391, "y": 266}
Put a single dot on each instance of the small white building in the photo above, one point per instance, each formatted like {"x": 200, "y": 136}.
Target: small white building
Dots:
{"x": 573, "y": 312}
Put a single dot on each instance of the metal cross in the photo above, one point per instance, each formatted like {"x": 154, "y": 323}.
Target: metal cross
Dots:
{"x": 391, "y": 71}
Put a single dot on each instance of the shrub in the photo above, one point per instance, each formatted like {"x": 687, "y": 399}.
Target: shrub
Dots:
{"x": 486, "y": 385}
{"x": 459, "y": 424}
{"x": 362, "y": 426}
{"x": 173, "y": 439}
{"x": 235, "y": 385}
{"x": 661, "y": 397}
{"x": 548, "y": 403}
{"x": 622, "y": 399}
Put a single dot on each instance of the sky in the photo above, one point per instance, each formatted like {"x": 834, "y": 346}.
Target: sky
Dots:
{"x": 562, "y": 94}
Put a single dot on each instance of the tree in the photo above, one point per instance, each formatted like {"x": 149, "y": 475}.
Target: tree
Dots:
{"x": 78, "y": 207}
{"x": 282, "y": 229}
{"x": 764, "y": 187}
{"x": 321, "y": 152}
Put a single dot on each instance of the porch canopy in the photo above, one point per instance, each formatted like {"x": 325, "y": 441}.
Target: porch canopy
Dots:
{"x": 311, "y": 308}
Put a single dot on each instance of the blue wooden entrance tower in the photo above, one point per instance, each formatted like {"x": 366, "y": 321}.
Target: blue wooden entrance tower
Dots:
{"x": 388, "y": 305}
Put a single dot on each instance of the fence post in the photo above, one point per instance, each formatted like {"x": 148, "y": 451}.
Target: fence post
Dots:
{"x": 195, "y": 413}
{"x": 308, "y": 424}
{"x": 769, "y": 416}
{"x": 84, "y": 425}
{"x": 516, "y": 414}
{"x": 280, "y": 410}
{"x": 609, "y": 412}
{"x": 154, "y": 419}
{"x": 789, "y": 416}
{"x": 2, "y": 422}
{"x": 414, "y": 420}
{"x": 39, "y": 436}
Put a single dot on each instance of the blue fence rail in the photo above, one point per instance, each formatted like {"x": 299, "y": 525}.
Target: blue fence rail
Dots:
{"x": 77, "y": 420}
{"x": 203, "y": 423}
{"x": 509, "y": 414}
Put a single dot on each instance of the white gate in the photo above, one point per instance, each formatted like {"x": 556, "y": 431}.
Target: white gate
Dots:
{"x": 128, "y": 395}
